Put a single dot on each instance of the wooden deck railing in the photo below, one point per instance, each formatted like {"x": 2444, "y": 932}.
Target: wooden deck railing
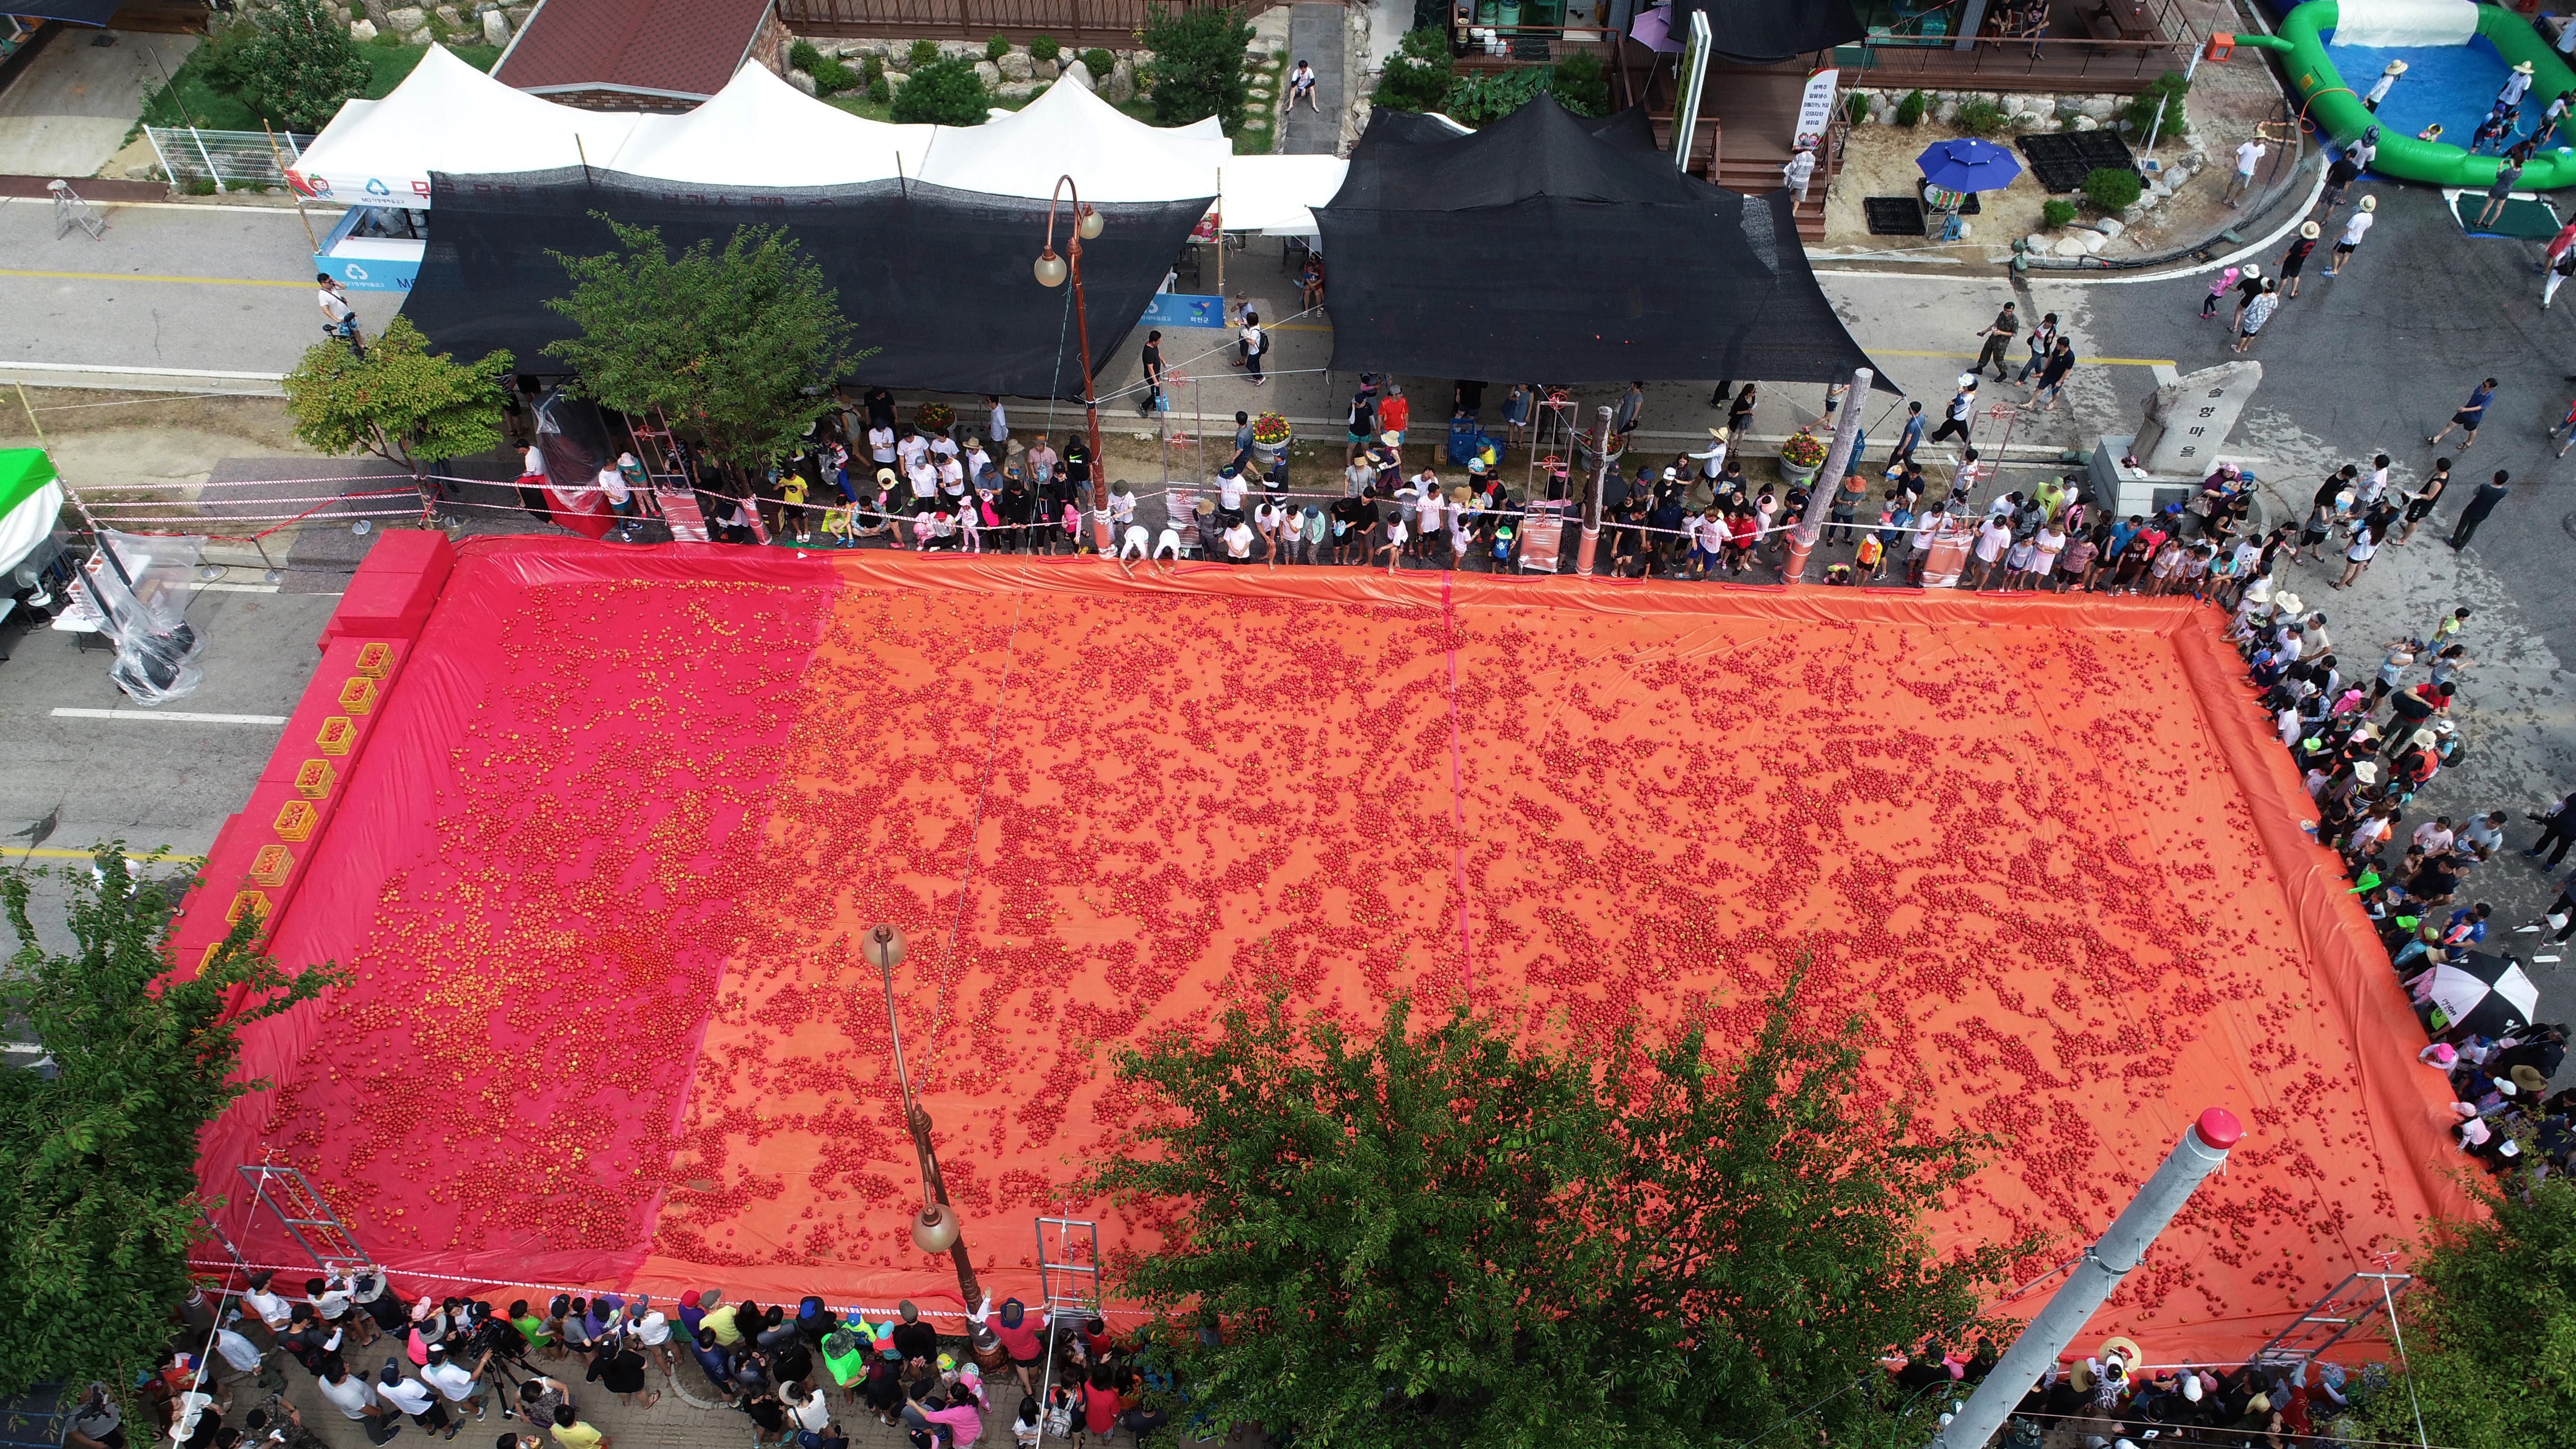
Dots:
{"x": 1088, "y": 21}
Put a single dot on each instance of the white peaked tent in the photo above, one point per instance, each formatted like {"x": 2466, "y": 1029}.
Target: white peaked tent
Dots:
{"x": 1068, "y": 131}
{"x": 448, "y": 116}
{"x": 761, "y": 131}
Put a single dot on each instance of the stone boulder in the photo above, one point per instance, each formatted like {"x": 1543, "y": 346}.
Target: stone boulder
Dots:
{"x": 2109, "y": 226}
{"x": 2072, "y": 244}
{"x": 2101, "y": 108}
{"x": 802, "y": 82}
{"x": 1014, "y": 65}
{"x": 518, "y": 14}
{"x": 2087, "y": 123}
{"x": 448, "y": 16}
{"x": 404, "y": 19}
{"x": 1080, "y": 74}
{"x": 1119, "y": 86}
{"x": 496, "y": 28}
{"x": 423, "y": 36}
{"x": 362, "y": 31}
{"x": 1019, "y": 90}
{"x": 990, "y": 74}
{"x": 961, "y": 50}
{"x": 894, "y": 79}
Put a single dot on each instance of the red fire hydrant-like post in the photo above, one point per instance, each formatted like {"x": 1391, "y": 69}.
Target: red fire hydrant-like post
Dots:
{"x": 1820, "y": 490}
{"x": 2202, "y": 1151}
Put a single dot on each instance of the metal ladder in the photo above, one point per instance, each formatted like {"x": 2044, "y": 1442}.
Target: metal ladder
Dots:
{"x": 1071, "y": 1261}
{"x": 2345, "y": 1309}
{"x": 71, "y": 211}
{"x": 286, "y": 1192}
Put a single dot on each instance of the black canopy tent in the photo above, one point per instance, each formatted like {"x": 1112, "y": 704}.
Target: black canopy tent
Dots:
{"x": 1549, "y": 245}
{"x": 936, "y": 281}
{"x": 1771, "y": 29}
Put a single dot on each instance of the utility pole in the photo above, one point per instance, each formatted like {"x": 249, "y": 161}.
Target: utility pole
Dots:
{"x": 1591, "y": 544}
{"x": 1820, "y": 491}
{"x": 2202, "y": 1151}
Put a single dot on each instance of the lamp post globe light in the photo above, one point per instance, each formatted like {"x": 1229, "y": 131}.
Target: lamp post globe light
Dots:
{"x": 936, "y": 1228}
{"x": 1054, "y": 271}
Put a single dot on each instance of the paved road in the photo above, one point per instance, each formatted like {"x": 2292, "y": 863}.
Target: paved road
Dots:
{"x": 1315, "y": 34}
{"x": 226, "y": 288}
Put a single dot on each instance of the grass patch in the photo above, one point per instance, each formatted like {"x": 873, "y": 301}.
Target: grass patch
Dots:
{"x": 1259, "y": 134}
{"x": 199, "y": 101}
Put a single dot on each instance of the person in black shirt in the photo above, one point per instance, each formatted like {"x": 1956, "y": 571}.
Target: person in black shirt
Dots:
{"x": 618, "y": 1368}
{"x": 1665, "y": 543}
{"x": 880, "y": 407}
{"x": 1466, "y": 399}
{"x": 1351, "y": 518}
{"x": 1153, "y": 359}
{"x": 914, "y": 1339}
{"x": 1363, "y": 417}
{"x": 1627, "y": 543}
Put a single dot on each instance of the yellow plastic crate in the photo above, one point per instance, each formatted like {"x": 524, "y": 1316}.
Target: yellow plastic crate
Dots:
{"x": 314, "y": 779}
{"x": 296, "y": 819}
{"x": 374, "y": 659}
{"x": 358, "y": 695}
{"x": 338, "y": 733}
{"x": 271, "y": 866}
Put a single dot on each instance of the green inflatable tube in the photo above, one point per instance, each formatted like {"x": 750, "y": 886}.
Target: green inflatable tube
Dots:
{"x": 2336, "y": 107}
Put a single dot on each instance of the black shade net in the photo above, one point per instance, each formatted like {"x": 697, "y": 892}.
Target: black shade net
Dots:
{"x": 1771, "y": 29}
{"x": 1537, "y": 247}
{"x": 938, "y": 281}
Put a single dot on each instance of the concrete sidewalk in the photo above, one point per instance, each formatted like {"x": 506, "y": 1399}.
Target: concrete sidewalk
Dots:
{"x": 67, "y": 113}
{"x": 1315, "y": 35}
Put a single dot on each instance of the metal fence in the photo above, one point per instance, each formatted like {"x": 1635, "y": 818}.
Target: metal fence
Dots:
{"x": 1088, "y": 21}
{"x": 250, "y": 158}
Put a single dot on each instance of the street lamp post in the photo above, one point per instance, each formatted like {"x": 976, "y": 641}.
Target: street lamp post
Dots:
{"x": 937, "y": 1229}
{"x": 1052, "y": 271}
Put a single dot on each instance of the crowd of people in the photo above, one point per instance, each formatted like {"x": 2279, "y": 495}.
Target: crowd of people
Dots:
{"x": 795, "y": 1373}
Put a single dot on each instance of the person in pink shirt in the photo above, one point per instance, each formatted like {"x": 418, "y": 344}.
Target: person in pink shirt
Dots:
{"x": 962, "y": 1418}
{"x": 1020, "y": 1336}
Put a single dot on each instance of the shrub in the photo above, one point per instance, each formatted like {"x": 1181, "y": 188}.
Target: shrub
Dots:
{"x": 2165, "y": 91}
{"x": 1909, "y": 111}
{"x": 943, "y": 93}
{"x": 803, "y": 56}
{"x": 872, "y": 69}
{"x": 924, "y": 52}
{"x": 2054, "y": 213}
{"x": 1044, "y": 49}
{"x": 1580, "y": 85}
{"x": 1417, "y": 76}
{"x": 831, "y": 77}
{"x": 201, "y": 186}
{"x": 1198, "y": 66}
{"x": 997, "y": 47}
{"x": 2112, "y": 188}
{"x": 302, "y": 65}
{"x": 1983, "y": 118}
{"x": 881, "y": 91}
{"x": 1856, "y": 106}
{"x": 1099, "y": 62}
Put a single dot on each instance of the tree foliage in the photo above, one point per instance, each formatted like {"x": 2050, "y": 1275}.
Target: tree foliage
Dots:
{"x": 401, "y": 401}
{"x": 1417, "y": 75}
{"x": 1448, "y": 1236}
{"x": 738, "y": 346}
{"x": 302, "y": 65}
{"x": 943, "y": 93}
{"x": 99, "y": 1163}
{"x": 2490, "y": 1325}
{"x": 1198, "y": 66}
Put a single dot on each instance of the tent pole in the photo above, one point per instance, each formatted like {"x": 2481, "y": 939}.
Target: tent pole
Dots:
{"x": 1600, "y": 482}
{"x": 290, "y": 190}
{"x": 1838, "y": 463}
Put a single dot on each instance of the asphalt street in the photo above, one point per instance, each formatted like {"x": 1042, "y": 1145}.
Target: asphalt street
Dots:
{"x": 203, "y": 288}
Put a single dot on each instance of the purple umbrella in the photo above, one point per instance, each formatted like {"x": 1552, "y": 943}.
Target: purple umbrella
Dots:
{"x": 1654, "y": 30}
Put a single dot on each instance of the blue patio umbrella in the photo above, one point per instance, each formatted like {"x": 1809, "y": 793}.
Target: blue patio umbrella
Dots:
{"x": 1968, "y": 164}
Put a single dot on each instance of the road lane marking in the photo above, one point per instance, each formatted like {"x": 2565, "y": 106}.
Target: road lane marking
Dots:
{"x": 148, "y": 277}
{"x": 172, "y": 716}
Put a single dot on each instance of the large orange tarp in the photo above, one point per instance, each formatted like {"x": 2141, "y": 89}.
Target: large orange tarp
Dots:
{"x": 602, "y": 868}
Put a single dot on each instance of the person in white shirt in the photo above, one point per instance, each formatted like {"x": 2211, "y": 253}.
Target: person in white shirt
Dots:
{"x": 881, "y": 444}
{"x": 273, "y": 1310}
{"x": 1271, "y": 519}
{"x": 2380, "y": 88}
{"x": 1238, "y": 542}
{"x": 952, "y": 477}
{"x": 997, "y": 425}
{"x": 460, "y": 1385}
{"x": 2517, "y": 84}
{"x": 351, "y": 1396}
{"x": 1229, "y": 491}
{"x": 943, "y": 446}
{"x": 811, "y": 1409}
{"x": 1433, "y": 508}
{"x": 1301, "y": 83}
{"x": 1393, "y": 548}
{"x": 1993, "y": 537}
{"x": 414, "y": 1398}
{"x": 2353, "y": 231}
{"x": 1798, "y": 173}
{"x": 911, "y": 448}
{"x": 338, "y": 317}
{"x": 652, "y": 1333}
{"x": 242, "y": 1354}
{"x": 923, "y": 477}
{"x": 1251, "y": 344}
{"x": 2248, "y": 156}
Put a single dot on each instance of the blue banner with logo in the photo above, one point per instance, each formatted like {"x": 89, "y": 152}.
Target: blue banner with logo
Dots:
{"x": 1180, "y": 309}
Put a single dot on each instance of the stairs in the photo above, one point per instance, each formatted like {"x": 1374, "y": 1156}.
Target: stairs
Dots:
{"x": 1754, "y": 175}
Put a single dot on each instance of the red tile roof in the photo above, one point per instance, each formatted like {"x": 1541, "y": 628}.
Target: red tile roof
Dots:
{"x": 686, "y": 47}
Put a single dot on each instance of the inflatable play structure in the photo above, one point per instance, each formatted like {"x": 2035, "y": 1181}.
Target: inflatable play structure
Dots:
{"x": 2449, "y": 76}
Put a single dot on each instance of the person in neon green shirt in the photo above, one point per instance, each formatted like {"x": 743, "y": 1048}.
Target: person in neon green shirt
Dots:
{"x": 720, "y": 1321}
{"x": 531, "y": 1327}
{"x": 571, "y": 1433}
{"x": 846, "y": 1355}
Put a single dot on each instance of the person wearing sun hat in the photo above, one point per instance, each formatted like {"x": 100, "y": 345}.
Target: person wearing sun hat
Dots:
{"x": 2297, "y": 256}
{"x": 1021, "y": 1336}
{"x": 2517, "y": 84}
{"x": 2380, "y": 88}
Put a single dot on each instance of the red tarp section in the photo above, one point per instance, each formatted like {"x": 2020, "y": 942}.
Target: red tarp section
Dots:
{"x": 602, "y": 859}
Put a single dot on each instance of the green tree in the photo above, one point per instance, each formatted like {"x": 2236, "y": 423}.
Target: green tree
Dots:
{"x": 401, "y": 401}
{"x": 2490, "y": 1325}
{"x": 1417, "y": 75}
{"x": 739, "y": 346}
{"x": 1198, "y": 66}
{"x": 1579, "y": 84}
{"x": 943, "y": 93}
{"x": 303, "y": 64}
{"x": 100, "y": 1162}
{"x": 1453, "y": 1237}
